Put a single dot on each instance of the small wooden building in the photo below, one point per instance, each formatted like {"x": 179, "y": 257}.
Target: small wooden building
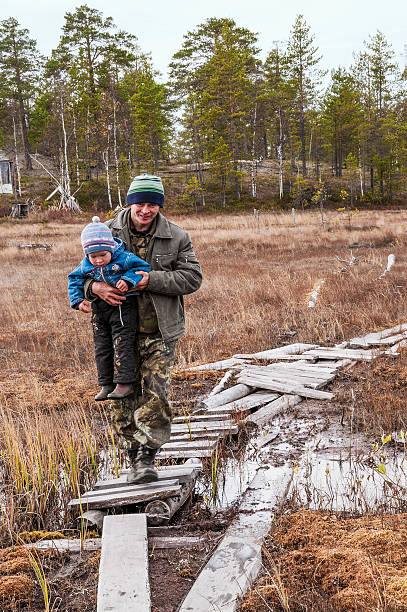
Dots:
{"x": 6, "y": 175}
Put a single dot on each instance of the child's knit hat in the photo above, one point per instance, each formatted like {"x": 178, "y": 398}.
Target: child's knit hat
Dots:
{"x": 96, "y": 236}
{"x": 146, "y": 188}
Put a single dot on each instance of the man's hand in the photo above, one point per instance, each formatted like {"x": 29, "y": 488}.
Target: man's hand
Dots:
{"x": 122, "y": 285}
{"x": 85, "y": 306}
{"x": 142, "y": 284}
{"x": 109, "y": 294}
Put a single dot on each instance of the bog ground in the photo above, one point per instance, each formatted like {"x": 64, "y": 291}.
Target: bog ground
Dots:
{"x": 258, "y": 278}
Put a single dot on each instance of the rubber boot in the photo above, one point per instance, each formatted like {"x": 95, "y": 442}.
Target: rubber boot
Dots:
{"x": 143, "y": 469}
{"x": 132, "y": 454}
{"x": 120, "y": 392}
{"x": 103, "y": 393}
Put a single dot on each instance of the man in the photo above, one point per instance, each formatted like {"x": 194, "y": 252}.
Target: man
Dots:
{"x": 143, "y": 421}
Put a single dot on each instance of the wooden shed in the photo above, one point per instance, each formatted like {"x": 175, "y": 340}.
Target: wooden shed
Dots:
{"x": 6, "y": 175}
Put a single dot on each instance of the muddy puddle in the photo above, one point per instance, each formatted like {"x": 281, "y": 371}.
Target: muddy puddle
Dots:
{"x": 329, "y": 468}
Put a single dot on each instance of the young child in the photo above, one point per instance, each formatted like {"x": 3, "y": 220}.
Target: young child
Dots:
{"x": 114, "y": 327}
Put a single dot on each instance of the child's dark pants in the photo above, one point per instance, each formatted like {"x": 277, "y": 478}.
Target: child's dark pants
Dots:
{"x": 114, "y": 335}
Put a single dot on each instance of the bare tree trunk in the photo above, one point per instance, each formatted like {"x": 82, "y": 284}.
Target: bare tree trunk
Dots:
{"x": 280, "y": 157}
{"x": 67, "y": 183}
{"x": 360, "y": 174}
{"x": 254, "y": 161}
{"x": 76, "y": 150}
{"x": 88, "y": 145}
{"x": 16, "y": 157}
{"x": 116, "y": 161}
{"x": 105, "y": 156}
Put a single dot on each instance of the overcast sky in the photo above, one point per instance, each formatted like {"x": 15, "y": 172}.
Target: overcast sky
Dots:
{"x": 339, "y": 27}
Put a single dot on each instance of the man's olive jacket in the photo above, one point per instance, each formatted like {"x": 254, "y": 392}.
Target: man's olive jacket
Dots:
{"x": 175, "y": 270}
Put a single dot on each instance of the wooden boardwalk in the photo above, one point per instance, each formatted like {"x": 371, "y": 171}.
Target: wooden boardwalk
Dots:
{"x": 261, "y": 392}
{"x": 123, "y": 572}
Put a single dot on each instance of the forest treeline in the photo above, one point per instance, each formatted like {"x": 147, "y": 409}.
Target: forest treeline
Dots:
{"x": 98, "y": 108}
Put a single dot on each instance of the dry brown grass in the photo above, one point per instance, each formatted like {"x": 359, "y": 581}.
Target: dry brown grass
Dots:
{"x": 318, "y": 562}
{"x": 258, "y": 276}
{"x": 374, "y": 395}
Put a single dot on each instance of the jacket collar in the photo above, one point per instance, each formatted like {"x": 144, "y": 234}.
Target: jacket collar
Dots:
{"x": 163, "y": 229}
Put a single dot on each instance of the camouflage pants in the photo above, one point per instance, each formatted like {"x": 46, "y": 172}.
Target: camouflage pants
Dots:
{"x": 145, "y": 417}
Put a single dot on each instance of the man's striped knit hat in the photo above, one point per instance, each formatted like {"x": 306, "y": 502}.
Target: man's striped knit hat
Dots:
{"x": 146, "y": 188}
{"x": 96, "y": 236}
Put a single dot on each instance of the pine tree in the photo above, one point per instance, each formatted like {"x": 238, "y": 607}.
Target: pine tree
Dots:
{"x": 19, "y": 67}
{"x": 214, "y": 72}
{"x": 302, "y": 58}
{"x": 341, "y": 117}
{"x": 151, "y": 114}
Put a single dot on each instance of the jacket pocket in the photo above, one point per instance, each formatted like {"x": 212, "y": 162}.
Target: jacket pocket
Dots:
{"x": 164, "y": 261}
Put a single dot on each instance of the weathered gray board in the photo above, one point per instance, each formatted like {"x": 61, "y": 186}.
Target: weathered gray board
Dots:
{"x": 229, "y": 395}
{"x": 190, "y": 445}
{"x": 209, "y": 427}
{"x": 201, "y": 417}
{"x": 289, "y": 349}
{"x": 376, "y": 337}
{"x": 297, "y": 378}
{"x": 93, "y": 544}
{"x": 247, "y": 403}
{"x": 184, "y": 454}
{"x": 123, "y": 571}
{"x": 267, "y": 382}
{"x": 183, "y": 473}
{"x": 198, "y": 435}
{"x": 106, "y": 498}
{"x": 237, "y": 560}
{"x": 267, "y": 413}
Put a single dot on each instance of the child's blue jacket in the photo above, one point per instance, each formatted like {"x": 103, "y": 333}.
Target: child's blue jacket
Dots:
{"x": 123, "y": 265}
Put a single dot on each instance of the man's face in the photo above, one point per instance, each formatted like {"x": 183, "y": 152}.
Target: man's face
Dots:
{"x": 143, "y": 214}
{"x": 100, "y": 258}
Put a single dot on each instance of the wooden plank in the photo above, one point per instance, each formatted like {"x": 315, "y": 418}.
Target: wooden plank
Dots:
{"x": 247, "y": 403}
{"x": 237, "y": 559}
{"x": 206, "y": 426}
{"x": 93, "y": 544}
{"x": 342, "y": 354}
{"x": 190, "y": 445}
{"x": 118, "y": 498}
{"x": 221, "y": 384}
{"x": 197, "y": 435}
{"x": 309, "y": 371}
{"x": 128, "y": 488}
{"x": 305, "y": 380}
{"x": 177, "y": 541}
{"x": 266, "y": 414}
{"x": 184, "y": 454}
{"x": 213, "y": 416}
{"x": 225, "y": 364}
{"x": 285, "y": 387}
{"x": 123, "y": 570}
{"x": 373, "y": 337}
{"x": 289, "y": 349}
{"x": 229, "y": 395}
{"x": 73, "y": 546}
{"x": 179, "y": 472}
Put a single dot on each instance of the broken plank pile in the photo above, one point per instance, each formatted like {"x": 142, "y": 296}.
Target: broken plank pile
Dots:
{"x": 297, "y": 371}
{"x": 161, "y": 499}
{"x": 391, "y": 336}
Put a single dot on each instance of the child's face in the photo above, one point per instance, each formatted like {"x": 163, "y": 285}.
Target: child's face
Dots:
{"x": 100, "y": 258}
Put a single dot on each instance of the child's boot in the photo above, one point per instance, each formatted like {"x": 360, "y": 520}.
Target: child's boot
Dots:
{"x": 120, "y": 392}
{"x": 103, "y": 393}
{"x": 143, "y": 470}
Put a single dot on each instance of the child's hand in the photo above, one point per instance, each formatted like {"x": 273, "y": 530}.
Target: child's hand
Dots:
{"x": 122, "y": 285}
{"x": 85, "y": 306}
